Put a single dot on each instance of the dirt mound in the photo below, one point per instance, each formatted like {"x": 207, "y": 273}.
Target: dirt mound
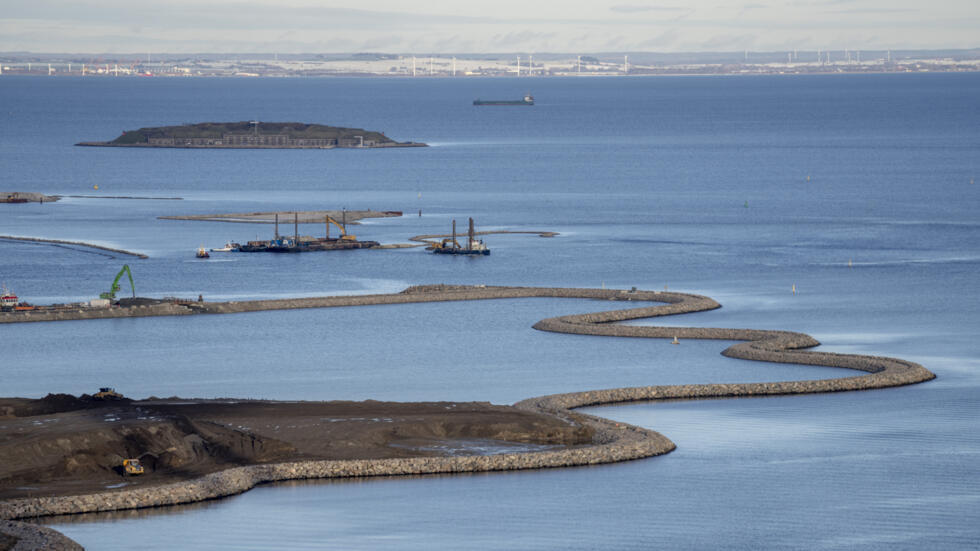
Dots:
{"x": 62, "y": 445}
{"x": 7, "y": 542}
{"x": 138, "y": 301}
{"x": 88, "y": 446}
{"x": 52, "y": 403}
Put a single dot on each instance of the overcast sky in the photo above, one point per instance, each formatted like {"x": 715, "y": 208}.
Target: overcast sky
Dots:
{"x": 459, "y": 26}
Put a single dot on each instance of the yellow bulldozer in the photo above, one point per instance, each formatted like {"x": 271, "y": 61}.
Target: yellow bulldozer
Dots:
{"x": 107, "y": 393}
{"x": 132, "y": 467}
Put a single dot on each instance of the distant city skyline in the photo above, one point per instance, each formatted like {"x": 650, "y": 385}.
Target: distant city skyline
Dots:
{"x": 443, "y": 26}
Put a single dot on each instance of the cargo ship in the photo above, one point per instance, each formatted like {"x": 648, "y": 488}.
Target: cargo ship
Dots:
{"x": 528, "y": 100}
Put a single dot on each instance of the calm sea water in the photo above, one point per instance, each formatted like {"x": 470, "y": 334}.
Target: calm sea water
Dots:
{"x": 858, "y": 190}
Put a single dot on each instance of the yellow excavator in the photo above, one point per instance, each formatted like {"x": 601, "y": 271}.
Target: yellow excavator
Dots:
{"x": 344, "y": 236}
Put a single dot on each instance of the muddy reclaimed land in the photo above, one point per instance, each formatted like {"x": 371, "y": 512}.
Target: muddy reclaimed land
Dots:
{"x": 63, "y": 454}
{"x": 63, "y": 445}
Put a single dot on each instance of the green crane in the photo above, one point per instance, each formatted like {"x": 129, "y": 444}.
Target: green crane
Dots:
{"x": 111, "y": 295}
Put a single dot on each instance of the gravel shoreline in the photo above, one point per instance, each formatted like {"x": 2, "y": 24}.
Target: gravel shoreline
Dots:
{"x": 613, "y": 442}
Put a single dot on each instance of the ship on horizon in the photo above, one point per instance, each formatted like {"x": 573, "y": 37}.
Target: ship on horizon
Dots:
{"x": 528, "y": 100}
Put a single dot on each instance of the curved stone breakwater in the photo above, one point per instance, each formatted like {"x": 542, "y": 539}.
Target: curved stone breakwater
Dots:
{"x": 613, "y": 441}
{"x": 75, "y": 243}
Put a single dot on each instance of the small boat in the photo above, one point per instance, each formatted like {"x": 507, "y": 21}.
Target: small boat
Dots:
{"x": 229, "y": 247}
{"x": 202, "y": 253}
{"x": 8, "y": 300}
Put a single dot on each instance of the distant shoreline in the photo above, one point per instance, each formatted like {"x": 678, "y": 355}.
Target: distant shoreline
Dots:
{"x": 500, "y": 64}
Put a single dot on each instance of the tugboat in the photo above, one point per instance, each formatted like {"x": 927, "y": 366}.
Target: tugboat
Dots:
{"x": 202, "y": 252}
{"x": 451, "y": 246}
{"x": 229, "y": 247}
{"x": 528, "y": 100}
{"x": 8, "y": 300}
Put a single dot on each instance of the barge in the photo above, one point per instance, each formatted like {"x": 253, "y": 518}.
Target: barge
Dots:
{"x": 302, "y": 244}
{"x": 451, "y": 246}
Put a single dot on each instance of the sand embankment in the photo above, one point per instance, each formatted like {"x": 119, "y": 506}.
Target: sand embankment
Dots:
{"x": 26, "y": 197}
{"x": 288, "y": 217}
{"x": 430, "y": 240}
{"x": 73, "y": 243}
{"x": 612, "y": 441}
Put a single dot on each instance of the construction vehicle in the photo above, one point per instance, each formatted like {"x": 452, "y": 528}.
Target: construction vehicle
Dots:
{"x": 132, "y": 467}
{"x": 107, "y": 393}
{"x": 447, "y": 241}
{"x": 451, "y": 246}
{"x": 344, "y": 236}
{"x": 111, "y": 295}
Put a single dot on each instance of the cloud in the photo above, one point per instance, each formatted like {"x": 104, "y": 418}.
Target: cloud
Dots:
{"x": 214, "y": 15}
{"x": 874, "y": 10}
{"x": 729, "y": 42}
{"x": 818, "y": 3}
{"x": 664, "y": 41}
{"x": 633, "y": 8}
{"x": 747, "y": 8}
{"x": 322, "y": 26}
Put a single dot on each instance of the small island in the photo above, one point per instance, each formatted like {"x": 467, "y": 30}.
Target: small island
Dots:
{"x": 253, "y": 135}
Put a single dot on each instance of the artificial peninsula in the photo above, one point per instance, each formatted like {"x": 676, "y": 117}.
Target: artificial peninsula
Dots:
{"x": 196, "y": 450}
{"x": 253, "y": 135}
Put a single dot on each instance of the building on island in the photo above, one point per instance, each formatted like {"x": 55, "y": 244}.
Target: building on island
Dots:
{"x": 258, "y": 140}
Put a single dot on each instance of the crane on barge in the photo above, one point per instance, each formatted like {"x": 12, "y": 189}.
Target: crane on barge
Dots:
{"x": 111, "y": 295}
{"x": 451, "y": 246}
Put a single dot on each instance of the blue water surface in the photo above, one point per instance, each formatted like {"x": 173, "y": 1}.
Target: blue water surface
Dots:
{"x": 856, "y": 190}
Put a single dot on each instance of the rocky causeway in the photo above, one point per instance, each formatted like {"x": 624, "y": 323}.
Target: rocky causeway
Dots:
{"x": 607, "y": 441}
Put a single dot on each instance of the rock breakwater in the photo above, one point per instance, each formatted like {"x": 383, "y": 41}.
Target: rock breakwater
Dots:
{"x": 613, "y": 441}
{"x": 62, "y": 242}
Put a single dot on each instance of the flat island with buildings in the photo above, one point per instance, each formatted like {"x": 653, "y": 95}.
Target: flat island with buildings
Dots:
{"x": 254, "y": 134}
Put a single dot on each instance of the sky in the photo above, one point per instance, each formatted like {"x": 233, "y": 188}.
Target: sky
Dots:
{"x": 462, "y": 26}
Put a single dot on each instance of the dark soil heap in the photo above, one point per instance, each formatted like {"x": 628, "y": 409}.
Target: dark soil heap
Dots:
{"x": 62, "y": 444}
